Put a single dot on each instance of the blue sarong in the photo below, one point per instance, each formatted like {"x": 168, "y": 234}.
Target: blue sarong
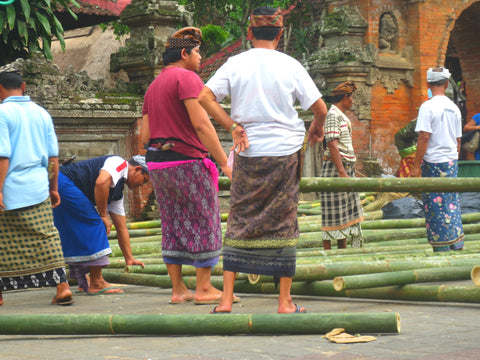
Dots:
{"x": 82, "y": 231}
{"x": 442, "y": 210}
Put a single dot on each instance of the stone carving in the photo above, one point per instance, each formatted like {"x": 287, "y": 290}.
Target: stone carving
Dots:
{"x": 388, "y": 32}
{"x": 150, "y": 22}
{"x": 363, "y": 101}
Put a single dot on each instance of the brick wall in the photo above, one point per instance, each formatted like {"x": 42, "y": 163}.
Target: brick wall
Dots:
{"x": 426, "y": 26}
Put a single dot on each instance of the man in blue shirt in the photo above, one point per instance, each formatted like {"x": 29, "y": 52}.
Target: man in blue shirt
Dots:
{"x": 30, "y": 249}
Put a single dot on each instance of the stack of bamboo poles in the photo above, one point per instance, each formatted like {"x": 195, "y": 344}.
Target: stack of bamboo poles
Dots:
{"x": 395, "y": 262}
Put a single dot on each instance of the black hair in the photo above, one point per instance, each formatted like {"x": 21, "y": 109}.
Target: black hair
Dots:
{"x": 11, "y": 81}
{"x": 171, "y": 56}
{"x": 268, "y": 33}
{"x": 134, "y": 163}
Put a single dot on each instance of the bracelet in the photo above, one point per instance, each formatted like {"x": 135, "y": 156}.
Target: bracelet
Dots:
{"x": 234, "y": 125}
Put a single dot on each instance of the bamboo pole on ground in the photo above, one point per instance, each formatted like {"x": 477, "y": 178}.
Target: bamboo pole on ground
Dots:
{"x": 409, "y": 292}
{"x": 317, "y": 184}
{"x": 198, "y": 324}
{"x": 322, "y": 271}
{"x": 401, "y": 278}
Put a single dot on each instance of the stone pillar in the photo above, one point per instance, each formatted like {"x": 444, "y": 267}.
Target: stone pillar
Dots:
{"x": 150, "y": 23}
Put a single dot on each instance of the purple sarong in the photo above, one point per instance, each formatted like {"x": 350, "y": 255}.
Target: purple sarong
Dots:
{"x": 190, "y": 212}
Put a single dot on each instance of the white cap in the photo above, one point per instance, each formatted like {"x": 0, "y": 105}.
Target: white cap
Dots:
{"x": 437, "y": 74}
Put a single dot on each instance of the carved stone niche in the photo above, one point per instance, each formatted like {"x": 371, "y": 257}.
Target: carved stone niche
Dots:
{"x": 391, "y": 66}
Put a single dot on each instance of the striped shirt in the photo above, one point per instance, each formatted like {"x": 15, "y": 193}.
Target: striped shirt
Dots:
{"x": 338, "y": 126}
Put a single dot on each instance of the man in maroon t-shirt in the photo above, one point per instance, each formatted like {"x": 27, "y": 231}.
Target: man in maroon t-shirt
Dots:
{"x": 180, "y": 137}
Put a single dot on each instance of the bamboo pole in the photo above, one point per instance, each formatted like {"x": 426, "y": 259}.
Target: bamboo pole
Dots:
{"x": 401, "y": 278}
{"x": 317, "y": 272}
{"x": 197, "y": 324}
{"x": 475, "y": 275}
{"x": 317, "y": 184}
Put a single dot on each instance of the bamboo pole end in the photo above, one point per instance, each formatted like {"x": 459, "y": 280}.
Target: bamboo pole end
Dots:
{"x": 399, "y": 324}
{"x": 475, "y": 275}
{"x": 254, "y": 278}
{"x": 339, "y": 283}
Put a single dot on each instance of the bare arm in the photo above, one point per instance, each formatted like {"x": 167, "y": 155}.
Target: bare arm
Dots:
{"x": 102, "y": 190}
{"x": 123, "y": 237}
{"x": 53, "y": 181}
{"x": 4, "y": 163}
{"x": 337, "y": 158}
{"x": 145, "y": 133}
{"x": 471, "y": 125}
{"x": 206, "y": 132}
{"x": 422, "y": 145}
{"x": 316, "y": 131}
{"x": 209, "y": 102}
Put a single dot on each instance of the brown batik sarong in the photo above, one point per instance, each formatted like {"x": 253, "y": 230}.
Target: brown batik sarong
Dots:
{"x": 30, "y": 249}
{"x": 262, "y": 228}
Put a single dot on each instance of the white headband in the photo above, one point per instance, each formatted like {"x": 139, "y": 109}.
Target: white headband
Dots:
{"x": 434, "y": 76}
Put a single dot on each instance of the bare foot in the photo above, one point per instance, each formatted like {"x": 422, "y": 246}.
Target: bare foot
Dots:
{"x": 212, "y": 294}
{"x": 293, "y": 308}
{"x": 221, "y": 308}
{"x": 182, "y": 298}
{"x": 63, "y": 291}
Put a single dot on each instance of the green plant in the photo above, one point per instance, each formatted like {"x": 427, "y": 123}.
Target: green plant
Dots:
{"x": 28, "y": 26}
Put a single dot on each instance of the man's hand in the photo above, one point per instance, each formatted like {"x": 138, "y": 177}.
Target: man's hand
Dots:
{"x": 416, "y": 172}
{"x": 315, "y": 134}
{"x": 240, "y": 139}
{"x": 107, "y": 223}
{"x": 227, "y": 171}
{"x": 54, "y": 198}
{"x": 134, "y": 262}
{"x": 2, "y": 205}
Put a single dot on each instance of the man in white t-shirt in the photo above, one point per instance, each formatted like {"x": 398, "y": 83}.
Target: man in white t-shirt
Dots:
{"x": 264, "y": 85}
{"x": 439, "y": 125}
{"x": 92, "y": 194}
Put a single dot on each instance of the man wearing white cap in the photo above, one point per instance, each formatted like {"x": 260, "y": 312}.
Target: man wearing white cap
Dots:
{"x": 92, "y": 194}
{"x": 439, "y": 125}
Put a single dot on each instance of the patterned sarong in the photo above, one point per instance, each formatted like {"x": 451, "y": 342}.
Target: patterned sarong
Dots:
{"x": 262, "y": 228}
{"x": 30, "y": 250}
{"x": 342, "y": 212}
{"x": 190, "y": 213}
{"x": 442, "y": 210}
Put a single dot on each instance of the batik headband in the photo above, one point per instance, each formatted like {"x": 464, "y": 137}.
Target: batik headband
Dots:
{"x": 9, "y": 69}
{"x": 188, "y": 37}
{"x": 346, "y": 87}
{"x": 275, "y": 20}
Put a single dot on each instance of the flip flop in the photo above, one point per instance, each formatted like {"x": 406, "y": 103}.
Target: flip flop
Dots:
{"x": 104, "y": 291}
{"x": 298, "y": 309}
{"x": 184, "y": 301}
{"x": 236, "y": 299}
{"x": 63, "y": 302}
{"x": 214, "y": 311}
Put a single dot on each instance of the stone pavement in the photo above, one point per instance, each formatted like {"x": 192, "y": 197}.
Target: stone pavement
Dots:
{"x": 437, "y": 331}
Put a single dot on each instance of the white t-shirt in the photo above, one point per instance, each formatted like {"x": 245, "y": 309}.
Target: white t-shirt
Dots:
{"x": 117, "y": 168}
{"x": 264, "y": 85}
{"x": 440, "y": 117}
